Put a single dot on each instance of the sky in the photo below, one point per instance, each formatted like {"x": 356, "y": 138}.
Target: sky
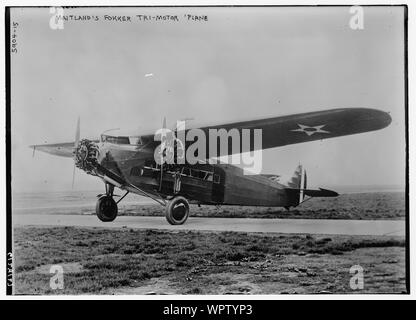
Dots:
{"x": 240, "y": 64}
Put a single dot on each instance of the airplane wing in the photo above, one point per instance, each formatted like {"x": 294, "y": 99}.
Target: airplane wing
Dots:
{"x": 59, "y": 149}
{"x": 311, "y": 126}
{"x": 277, "y": 131}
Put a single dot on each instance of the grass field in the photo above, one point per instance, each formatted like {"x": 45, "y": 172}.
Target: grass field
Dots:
{"x": 127, "y": 261}
{"x": 366, "y": 206}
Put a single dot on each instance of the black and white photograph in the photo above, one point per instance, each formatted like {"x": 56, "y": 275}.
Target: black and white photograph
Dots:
{"x": 212, "y": 150}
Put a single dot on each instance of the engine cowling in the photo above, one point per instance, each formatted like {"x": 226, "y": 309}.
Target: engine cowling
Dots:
{"x": 86, "y": 156}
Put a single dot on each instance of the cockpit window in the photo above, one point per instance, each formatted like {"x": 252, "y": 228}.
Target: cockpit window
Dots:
{"x": 138, "y": 141}
{"x": 132, "y": 140}
{"x": 115, "y": 140}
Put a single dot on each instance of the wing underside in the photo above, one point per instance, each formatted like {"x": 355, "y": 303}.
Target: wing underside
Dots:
{"x": 305, "y": 127}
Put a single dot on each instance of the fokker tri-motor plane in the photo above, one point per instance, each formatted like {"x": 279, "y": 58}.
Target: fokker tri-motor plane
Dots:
{"x": 129, "y": 163}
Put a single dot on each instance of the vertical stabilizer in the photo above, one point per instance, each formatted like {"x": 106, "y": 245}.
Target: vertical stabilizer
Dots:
{"x": 299, "y": 181}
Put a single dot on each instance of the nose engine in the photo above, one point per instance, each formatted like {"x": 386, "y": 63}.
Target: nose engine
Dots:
{"x": 86, "y": 156}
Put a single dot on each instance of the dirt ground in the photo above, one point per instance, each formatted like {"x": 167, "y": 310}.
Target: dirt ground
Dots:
{"x": 127, "y": 261}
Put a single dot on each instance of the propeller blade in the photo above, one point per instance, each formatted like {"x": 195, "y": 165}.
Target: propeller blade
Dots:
{"x": 77, "y": 137}
{"x": 77, "y": 133}
{"x": 163, "y": 141}
{"x": 73, "y": 177}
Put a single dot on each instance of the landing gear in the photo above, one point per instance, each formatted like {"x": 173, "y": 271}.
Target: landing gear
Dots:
{"x": 177, "y": 210}
{"x": 106, "y": 207}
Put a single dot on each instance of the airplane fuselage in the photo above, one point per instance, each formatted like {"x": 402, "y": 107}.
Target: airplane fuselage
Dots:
{"x": 219, "y": 184}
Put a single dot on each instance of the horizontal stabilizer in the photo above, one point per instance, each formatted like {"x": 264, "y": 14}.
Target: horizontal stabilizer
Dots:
{"x": 321, "y": 193}
{"x": 315, "y": 193}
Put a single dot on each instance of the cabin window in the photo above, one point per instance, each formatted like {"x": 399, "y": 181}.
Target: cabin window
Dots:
{"x": 216, "y": 178}
{"x": 198, "y": 174}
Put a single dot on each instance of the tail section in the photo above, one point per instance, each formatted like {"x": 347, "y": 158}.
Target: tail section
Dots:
{"x": 297, "y": 188}
{"x": 299, "y": 182}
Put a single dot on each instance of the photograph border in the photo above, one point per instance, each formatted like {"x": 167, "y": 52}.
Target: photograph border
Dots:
{"x": 9, "y": 220}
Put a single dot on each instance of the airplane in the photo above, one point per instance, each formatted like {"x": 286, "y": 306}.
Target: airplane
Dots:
{"x": 128, "y": 162}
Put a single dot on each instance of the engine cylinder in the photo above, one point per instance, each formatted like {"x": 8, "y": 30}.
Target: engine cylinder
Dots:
{"x": 86, "y": 156}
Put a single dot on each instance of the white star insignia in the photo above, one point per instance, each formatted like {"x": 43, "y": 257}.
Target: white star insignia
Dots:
{"x": 310, "y": 130}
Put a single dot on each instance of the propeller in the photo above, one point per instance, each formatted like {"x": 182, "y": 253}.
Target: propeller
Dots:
{"x": 163, "y": 141}
{"x": 77, "y": 137}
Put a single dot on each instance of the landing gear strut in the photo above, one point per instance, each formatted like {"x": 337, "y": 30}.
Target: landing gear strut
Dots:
{"x": 106, "y": 207}
{"x": 177, "y": 210}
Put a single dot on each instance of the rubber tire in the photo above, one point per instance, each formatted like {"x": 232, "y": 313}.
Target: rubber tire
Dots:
{"x": 106, "y": 209}
{"x": 170, "y": 214}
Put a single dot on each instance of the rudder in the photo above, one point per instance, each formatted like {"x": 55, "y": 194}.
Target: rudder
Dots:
{"x": 299, "y": 181}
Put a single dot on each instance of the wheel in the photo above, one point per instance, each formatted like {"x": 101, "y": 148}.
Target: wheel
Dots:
{"x": 177, "y": 210}
{"x": 106, "y": 208}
